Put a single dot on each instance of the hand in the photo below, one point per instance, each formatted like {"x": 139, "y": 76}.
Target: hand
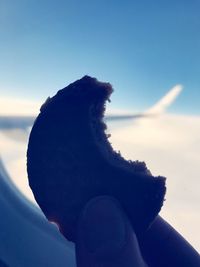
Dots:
{"x": 105, "y": 238}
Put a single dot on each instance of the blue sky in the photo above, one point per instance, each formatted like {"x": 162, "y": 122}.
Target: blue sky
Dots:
{"x": 142, "y": 47}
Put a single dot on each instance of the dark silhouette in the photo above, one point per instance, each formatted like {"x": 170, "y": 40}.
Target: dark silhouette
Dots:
{"x": 70, "y": 161}
{"x": 3, "y": 264}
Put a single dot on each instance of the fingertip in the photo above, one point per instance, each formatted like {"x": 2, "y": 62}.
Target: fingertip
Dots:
{"x": 104, "y": 234}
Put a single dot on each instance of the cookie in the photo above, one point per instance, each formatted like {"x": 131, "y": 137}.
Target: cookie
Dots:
{"x": 70, "y": 161}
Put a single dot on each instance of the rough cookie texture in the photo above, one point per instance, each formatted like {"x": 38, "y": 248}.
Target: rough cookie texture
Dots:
{"x": 70, "y": 161}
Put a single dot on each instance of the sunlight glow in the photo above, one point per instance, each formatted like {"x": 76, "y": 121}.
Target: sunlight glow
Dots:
{"x": 10, "y": 106}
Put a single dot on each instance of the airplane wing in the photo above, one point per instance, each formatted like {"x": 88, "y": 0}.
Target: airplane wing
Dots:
{"x": 25, "y": 122}
{"x": 16, "y": 122}
{"x": 159, "y": 108}
{"x": 16, "y": 127}
{"x": 166, "y": 101}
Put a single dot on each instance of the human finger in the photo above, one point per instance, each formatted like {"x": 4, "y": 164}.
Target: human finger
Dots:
{"x": 163, "y": 246}
{"x": 105, "y": 236}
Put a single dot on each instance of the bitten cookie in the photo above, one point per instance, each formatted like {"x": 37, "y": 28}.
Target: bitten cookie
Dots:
{"x": 70, "y": 161}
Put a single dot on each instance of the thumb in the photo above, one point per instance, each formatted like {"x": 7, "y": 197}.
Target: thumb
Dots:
{"x": 105, "y": 236}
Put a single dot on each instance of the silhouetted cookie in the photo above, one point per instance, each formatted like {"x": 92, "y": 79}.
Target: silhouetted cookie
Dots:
{"x": 70, "y": 161}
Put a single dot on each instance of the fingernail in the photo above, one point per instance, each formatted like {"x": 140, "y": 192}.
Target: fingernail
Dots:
{"x": 103, "y": 225}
